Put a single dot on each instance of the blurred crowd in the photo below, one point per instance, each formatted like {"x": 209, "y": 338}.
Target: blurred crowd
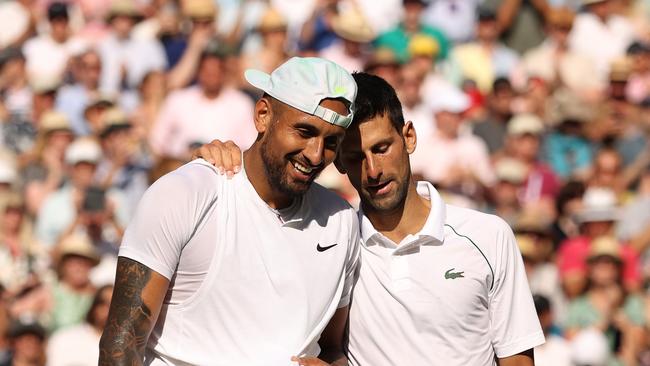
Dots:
{"x": 535, "y": 110}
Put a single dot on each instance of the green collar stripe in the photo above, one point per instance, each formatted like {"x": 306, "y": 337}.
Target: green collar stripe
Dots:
{"x": 479, "y": 249}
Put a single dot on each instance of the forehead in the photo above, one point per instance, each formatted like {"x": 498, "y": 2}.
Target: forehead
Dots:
{"x": 292, "y": 115}
{"x": 365, "y": 134}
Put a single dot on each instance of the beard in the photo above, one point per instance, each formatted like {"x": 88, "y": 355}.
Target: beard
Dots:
{"x": 275, "y": 169}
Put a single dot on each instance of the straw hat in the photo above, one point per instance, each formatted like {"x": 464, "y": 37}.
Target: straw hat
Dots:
{"x": 77, "y": 245}
{"x": 199, "y": 9}
{"x": 114, "y": 119}
{"x": 561, "y": 17}
{"x": 605, "y": 246}
{"x": 124, "y": 8}
{"x": 53, "y": 121}
{"x": 352, "y": 26}
{"x": 272, "y": 20}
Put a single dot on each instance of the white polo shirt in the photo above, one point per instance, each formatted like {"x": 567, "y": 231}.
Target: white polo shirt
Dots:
{"x": 453, "y": 294}
{"x": 249, "y": 285}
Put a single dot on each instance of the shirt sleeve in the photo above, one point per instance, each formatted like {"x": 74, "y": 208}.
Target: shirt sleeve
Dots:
{"x": 352, "y": 264}
{"x": 167, "y": 217}
{"x": 514, "y": 325}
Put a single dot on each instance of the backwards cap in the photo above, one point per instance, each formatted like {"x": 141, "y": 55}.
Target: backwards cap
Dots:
{"x": 304, "y": 82}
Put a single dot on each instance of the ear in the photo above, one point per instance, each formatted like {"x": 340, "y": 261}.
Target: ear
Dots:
{"x": 409, "y": 136}
{"x": 263, "y": 115}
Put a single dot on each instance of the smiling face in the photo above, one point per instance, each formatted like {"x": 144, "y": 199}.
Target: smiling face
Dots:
{"x": 295, "y": 146}
{"x": 374, "y": 155}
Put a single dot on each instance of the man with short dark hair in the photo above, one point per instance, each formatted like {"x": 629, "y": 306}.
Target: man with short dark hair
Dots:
{"x": 253, "y": 270}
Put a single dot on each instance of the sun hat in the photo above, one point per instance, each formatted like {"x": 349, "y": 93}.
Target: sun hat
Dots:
{"x": 83, "y": 150}
{"x": 451, "y": 100}
{"x": 303, "y": 83}
{"x": 525, "y": 123}
{"x": 352, "y": 26}
{"x": 599, "y": 205}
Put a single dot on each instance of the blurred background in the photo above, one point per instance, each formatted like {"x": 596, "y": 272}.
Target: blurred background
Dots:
{"x": 535, "y": 110}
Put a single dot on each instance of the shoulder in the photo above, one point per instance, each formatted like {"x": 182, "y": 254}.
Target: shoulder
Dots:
{"x": 488, "y": 232}
{"x": 325, "y": 202}
{"x": 197, "y": 175}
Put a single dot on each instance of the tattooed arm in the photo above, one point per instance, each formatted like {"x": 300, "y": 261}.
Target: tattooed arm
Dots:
{"x": 137, "y": 299}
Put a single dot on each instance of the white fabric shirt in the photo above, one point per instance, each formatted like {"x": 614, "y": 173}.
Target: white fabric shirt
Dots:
{"x": 250, "y": 285}
{"x": 455, "y": 293}
{"x": 14, "y": 21}
{"x": 455, "y": 18}
{"x": 555, "y": 352}
{"x": 601, "y": 42}
{"x": 187, "y": 116}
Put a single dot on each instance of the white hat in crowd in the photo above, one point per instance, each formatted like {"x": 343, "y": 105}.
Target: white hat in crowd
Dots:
{"x": 452, "y": 100}
{"x": 84, "y": 150}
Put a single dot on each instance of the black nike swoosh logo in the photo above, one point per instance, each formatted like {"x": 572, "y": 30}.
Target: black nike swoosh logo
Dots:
{"x": 322, "y": 249}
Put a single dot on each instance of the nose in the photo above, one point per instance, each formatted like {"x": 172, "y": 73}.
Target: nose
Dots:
{"x": 373, "y": 170}
{"x": 313, "y": 152}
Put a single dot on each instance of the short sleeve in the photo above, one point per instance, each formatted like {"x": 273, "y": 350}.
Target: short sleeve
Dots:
{"x": 167, "y": 217}
{"x": 352, "y": 263}
{"x": 514, "y": 325}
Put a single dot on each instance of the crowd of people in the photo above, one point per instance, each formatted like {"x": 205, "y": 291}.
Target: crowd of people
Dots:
{"x": 537, "y": 111}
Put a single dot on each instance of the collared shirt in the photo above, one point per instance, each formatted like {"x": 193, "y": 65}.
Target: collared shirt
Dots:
{"x": 455, "y": 293}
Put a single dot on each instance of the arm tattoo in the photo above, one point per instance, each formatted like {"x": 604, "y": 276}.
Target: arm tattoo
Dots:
{"x": 129, "y": 320}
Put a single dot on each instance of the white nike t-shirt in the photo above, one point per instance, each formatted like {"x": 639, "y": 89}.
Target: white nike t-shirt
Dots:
{"x": 249, "y": 285}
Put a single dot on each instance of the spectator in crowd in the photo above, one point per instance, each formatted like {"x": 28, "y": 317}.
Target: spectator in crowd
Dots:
{"x": 73, "y": 99}
{"x": 122, "y": 166}
{"x": 567, "y": 205}
{"x": 596, "y": 218}
{"x": 152, "y": 92}
{"x": 525, "y": 133}
{"x": 383, "y": 63}
{"x": 16, "y": 92}
{"x": 600, "y": 306}
{"x": 492, "y": 128}
{"x": 485, "y": 59}
{"x": 200, "y": 113}
{"x": 556, "y": 63}
{"x": 448, "y": 158}
{"x": 43, "y": 170}
{"x": 504, "y": 196}
{"x": 20, "y": 255}
{"x": 354, "y": 34}
{"x": 126, "y": 59}
{"x": 316, "y": 33}
{"x": 638, "y": 86}
{"x": 60, "y": 208}
{"x": 454, "y": 18}
{"x": 72, "y": 294}
{"x": 556, "y": 351}
{"x": 27, "y": 339}
{"x": 600, "y": 34}
{"x": 274, "y": 50}
{"x": 398, "y": 38}
{"x": 409, "y": 90}
{"x": 48, "y": 55}
{"x": 79, "y": 344}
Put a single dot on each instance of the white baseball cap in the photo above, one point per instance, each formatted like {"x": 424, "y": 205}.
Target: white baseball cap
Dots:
{"x": 83, "y": 150}
{"x": 449, "y": 99}
{"x": 304, "y": 82}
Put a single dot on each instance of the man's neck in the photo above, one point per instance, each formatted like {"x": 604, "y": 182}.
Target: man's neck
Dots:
{"x": 211, "y": 94}
{"x": 256, "y": 174}
{"x": 406, "y": 219}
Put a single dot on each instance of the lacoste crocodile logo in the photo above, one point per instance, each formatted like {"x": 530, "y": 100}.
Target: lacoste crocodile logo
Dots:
{"x": 453, "y": 275}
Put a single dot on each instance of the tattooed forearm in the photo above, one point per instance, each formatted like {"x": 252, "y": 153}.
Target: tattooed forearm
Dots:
{"x": 130, "y": 320}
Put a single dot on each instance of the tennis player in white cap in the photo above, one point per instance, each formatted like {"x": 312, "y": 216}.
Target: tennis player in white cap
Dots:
{"x": 252, "y": 270}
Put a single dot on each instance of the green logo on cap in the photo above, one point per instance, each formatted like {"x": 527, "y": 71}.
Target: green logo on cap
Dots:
{"x": 340, "y": 89}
